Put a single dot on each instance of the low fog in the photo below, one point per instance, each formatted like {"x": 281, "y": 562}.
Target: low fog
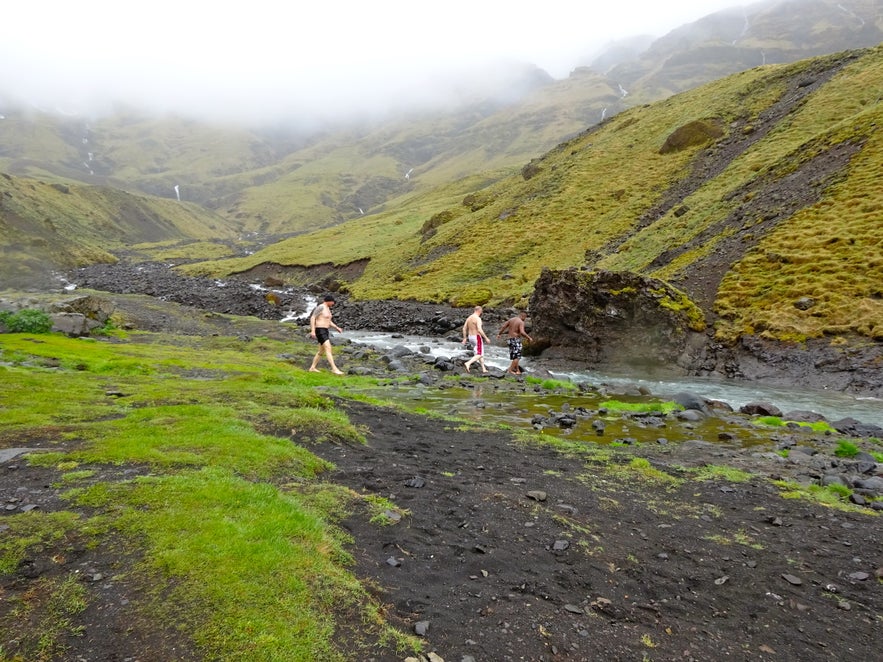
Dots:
{"x": 262, "y": 61}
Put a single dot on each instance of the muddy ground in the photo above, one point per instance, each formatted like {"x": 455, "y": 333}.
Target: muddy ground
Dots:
{"x": 515, "y": 551}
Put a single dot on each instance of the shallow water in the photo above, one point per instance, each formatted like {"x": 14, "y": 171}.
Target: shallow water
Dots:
{"x": 832, "y": 405}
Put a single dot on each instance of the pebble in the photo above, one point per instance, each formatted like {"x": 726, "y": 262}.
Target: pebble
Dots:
{"x": 791, "y": 579}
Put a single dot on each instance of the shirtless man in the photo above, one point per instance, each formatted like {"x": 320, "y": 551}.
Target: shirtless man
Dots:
{"x": 320, "y": 329}
{"x": 473, "y": 332}
{"x": 515, "y": 328}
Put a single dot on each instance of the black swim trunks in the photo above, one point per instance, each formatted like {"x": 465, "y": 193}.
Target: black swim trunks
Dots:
{"x": 322, "y": 334}
{"x": 514, "y": 348}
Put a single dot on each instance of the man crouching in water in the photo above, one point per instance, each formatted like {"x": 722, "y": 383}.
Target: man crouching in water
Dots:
{"x": 320, "y": 329}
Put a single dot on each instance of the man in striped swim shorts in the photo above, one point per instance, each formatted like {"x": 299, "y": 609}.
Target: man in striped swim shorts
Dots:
{"x": 473, "y": 332}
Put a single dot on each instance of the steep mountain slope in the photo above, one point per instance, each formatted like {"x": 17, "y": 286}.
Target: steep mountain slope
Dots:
{"x": 729, "y": 41}
{"x": 285, "y": 180}
{"x": 755, "y": 194}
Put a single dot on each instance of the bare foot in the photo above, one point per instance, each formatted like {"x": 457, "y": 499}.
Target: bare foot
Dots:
{"x": 512, "y": 372}
{"x": 337, "y": 372}
{"x": 466, "y": 366}
{"x": 315, "y": 370}
{"x": 484, "y": 370}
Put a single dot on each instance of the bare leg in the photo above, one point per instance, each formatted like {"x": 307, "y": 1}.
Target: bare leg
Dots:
{"x": 313, "y": 367}
{"x": 330, "y": 357}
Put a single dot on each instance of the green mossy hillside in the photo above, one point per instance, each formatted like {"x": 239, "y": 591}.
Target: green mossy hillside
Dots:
{"x": 54, "y": 226}
{"x": 737, "y": 220}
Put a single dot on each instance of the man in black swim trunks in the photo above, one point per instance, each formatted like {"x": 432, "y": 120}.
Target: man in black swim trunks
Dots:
{"x": 515, "y": 328}
{"x": 320, "y": 329}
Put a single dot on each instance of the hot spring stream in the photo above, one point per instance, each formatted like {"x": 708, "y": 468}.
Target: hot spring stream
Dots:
{"x": 486, "y": 402}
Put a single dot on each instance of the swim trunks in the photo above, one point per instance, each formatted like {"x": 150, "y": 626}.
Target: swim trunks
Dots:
{"x": 477, "y": 344}
{"x": 514, "y": 348}
{"x": 322, "y": 334}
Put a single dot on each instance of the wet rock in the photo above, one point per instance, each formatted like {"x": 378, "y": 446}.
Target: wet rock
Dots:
{"x": 690, "y": 401}
{"x": 856, "y": 428}
{"x": 760, "y": 409}
{"x": 803, "y": 416}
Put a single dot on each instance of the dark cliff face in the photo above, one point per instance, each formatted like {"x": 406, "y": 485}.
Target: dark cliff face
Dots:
{"x": 614, "y": 319}
{"x": 620, "y": 320}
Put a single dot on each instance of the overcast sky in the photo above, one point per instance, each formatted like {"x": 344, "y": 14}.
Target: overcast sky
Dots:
{"x": 257, "y": 58}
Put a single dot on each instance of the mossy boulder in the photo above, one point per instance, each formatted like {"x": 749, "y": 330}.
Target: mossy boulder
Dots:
{"x": 692, "y": 134}
{"x": 615, "y": 318}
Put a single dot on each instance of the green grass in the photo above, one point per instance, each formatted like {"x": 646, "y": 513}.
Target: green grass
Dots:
{"x": 834, "y": 496}
{"x": 618, "y": 406}
{"x": 232, "y": 511}
{"x": 716, "y": 472}
{"x": 550, "y": 384}
{"x": 776, "y": 421}
{"x": 846, "y": 449}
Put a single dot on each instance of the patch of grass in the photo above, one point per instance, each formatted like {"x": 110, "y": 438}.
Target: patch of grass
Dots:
{"x": 27, "y": 320}
{"x": 601, "y": 455}
{"x": 716, "y": 472}
{"x": 618, "y": 406}
{"x": 33, "y": 529}
{"x": 846, "y": 449}
{"x": 550, "y": 384}
{"x": 49, "y": 607}
{"x": 381, "y": 508}
{"x": 647, "y": 641}
{"x": 740, "y": 537}
{"x": 776, "y": 421}
{"x": 834, "y": 496}
{"x": 641, "y": 467}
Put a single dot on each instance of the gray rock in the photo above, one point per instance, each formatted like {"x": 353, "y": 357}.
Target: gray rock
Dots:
{"x": 760, "y": 409}
{"x": 690, "y": 401}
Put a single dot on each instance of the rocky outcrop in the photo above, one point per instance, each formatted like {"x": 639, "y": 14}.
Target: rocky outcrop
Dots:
{"x": 614, "y": 318}
{"x": 619, "y": 319}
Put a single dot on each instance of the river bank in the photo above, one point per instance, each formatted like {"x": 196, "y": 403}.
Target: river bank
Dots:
{"x": 818, "y": 364}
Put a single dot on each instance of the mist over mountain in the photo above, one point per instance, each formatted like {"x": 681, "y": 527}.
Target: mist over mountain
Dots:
{"x": 286, "y": 177}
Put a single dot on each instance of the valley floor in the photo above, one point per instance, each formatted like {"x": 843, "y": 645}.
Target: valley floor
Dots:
{"x": 515, "y": 550}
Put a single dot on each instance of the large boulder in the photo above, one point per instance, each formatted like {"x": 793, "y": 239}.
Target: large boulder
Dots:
{"x": 615, "y": 318}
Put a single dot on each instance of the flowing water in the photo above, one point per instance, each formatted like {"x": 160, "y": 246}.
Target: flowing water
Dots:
{"x": 830, "y": 404}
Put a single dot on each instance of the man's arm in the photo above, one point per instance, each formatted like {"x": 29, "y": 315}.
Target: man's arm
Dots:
{"x": 522, "y": 332}
{"x": 313, "y": 317}
{"x": 503, "y": 328}
{"x": 479, "y": 330}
